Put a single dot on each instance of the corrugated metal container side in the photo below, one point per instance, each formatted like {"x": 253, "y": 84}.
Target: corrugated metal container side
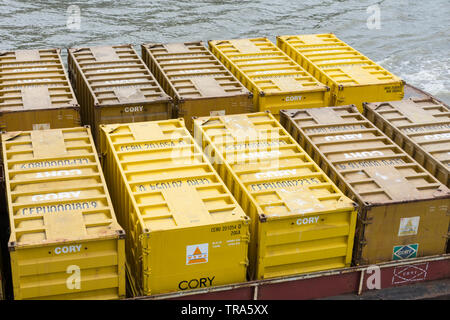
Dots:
{"x": 352, "y": 77}
{"x": 185, "y": 230}
{"x": 197, "y": 81}
{"x": 275, "y": 80}
{"x": 35, "y": 92}
{"x": 65, "y": 242}
{"x": 403, "y": 209}
{"x": 421, "y": 127}
{"x": 113, "y": 85}
{"x": 301, "y": 222}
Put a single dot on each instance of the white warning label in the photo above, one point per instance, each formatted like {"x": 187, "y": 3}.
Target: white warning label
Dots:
{"x": 408, "y": 226}
{"x": 217, "y": 113}
{"x": 197, "y": 253}
{"x": 41, "y": 126}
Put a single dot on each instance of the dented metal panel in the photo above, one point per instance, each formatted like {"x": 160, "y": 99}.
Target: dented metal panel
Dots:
{"x": 65, "y": 241}
{"x": 403, "y": 209}
{"x": 301, "y": 222}
{"x": 114, "y": 85}
{"x": 421, "y": 127}
{"x": 352, "y": 77}
{"x": 275, "y": 80}
{"x": 197, "y": 81}
{"x": 35, "y": 92}
{"x": 185, "y": 229}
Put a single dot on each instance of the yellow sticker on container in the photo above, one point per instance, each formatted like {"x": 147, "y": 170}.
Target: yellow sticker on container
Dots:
{"x": 408, "y": 226}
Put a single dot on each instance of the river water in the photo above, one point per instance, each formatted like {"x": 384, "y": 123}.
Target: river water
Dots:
{"x": 410, "y": 38}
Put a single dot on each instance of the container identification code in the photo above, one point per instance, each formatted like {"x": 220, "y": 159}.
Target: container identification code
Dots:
{"x": 234, "y": 230}
{"x": 392, "y": 89}
{"x": 254, "y": 145}
{"x": 174, "y": 184}
{"x": 427, "y": 128}
{"x": 334, "y": 128}
{"x": 283, "y": 184}
{"x": 84, "y": 205}
{"x": 369, "y": 163}
{"x": 151, "y": 145}
{"x": 54, "y": 163}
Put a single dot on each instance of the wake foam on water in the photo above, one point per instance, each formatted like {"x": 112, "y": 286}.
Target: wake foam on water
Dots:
{"x": 432, "y": 76}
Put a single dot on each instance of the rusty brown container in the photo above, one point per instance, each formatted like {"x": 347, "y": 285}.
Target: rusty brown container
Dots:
{"x": 421, "y": 127}
{"x": 35, "y": 92}
{"x": 197, "y": 81}
{"x": 113, "y": 85}
{"x": 403, "y": 209}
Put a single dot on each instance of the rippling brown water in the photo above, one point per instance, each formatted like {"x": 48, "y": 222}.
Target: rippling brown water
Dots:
{"x": 412, "y": 42}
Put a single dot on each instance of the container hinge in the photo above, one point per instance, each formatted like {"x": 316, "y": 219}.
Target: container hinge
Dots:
{"x": 245, "y": 238}
{"x": 245, "y": 263}
{"x": 2, "y": 173}
{"x": 147, "y": 272}
{"x": 145, "y": 251}
{"x": 363, "y": 242}
{"x": 366, "y": 221}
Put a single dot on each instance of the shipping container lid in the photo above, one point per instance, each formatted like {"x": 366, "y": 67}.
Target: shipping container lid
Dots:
{"x": 193, "y": 71}
{"x": 116, "y": 75}
{"x": 34, "y": 79}
{"x": 341, "y": 63}
{"x": 376, "y": 169}
{"x": 281, "y": 178}
{"x": 414, "y": 110}
{"x": 55, "y": 188}
{"x": 169, "y": 180}
{"x": 266, "y": 66}
{"x": 423, "y": 120}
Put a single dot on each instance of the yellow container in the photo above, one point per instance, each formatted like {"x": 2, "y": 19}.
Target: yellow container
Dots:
{"x": 35, "y": 92}
{"x": 185, "y": 229}
{"x": 275, "y": 80}
{"x": 113, "y": 85}
{"x": 352, "y": 77}
{"x": 199, "y": 84}
{"x": 421, "y": 127}
{"x": 403, "y": 209}
{"x": 301, "y": 222}
{"x": 65, "y": 242}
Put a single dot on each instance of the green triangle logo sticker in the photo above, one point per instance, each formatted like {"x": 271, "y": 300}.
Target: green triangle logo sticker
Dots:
{"x": 405, "y": 252}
